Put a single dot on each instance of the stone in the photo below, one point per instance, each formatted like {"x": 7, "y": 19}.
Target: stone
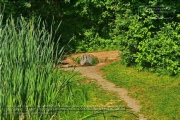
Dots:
{"x": 88, "y": 60}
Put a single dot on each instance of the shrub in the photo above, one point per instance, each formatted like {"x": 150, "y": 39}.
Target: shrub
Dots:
{"x": 162, "y": 52}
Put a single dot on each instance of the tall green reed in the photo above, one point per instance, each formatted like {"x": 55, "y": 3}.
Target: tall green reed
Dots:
{"x": 28, "y": 80}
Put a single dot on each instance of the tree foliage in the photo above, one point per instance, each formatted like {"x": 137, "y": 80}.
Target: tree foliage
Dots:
{"x": 148, "y": 39}
{"x": 147, "y": 32}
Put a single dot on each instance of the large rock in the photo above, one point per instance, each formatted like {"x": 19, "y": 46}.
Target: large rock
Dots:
{"x": 88, "y": 59}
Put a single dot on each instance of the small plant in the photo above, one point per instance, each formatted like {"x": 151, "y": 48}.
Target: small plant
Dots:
{"x": 77, "y": 59}
{"x": 94, "y": 61}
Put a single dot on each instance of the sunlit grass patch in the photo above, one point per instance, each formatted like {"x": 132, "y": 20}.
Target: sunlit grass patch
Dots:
{"x": 158, "y": 95}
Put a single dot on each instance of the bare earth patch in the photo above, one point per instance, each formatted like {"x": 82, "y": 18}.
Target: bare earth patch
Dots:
{"x": 105, "y": 58}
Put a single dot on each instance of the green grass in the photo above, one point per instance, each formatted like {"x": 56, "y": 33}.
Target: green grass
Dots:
{"x": 96, "y": 97}
{"x": 158, "y": 95}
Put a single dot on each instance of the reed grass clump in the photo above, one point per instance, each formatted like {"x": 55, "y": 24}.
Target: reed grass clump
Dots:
{"x": 30, "y": 86}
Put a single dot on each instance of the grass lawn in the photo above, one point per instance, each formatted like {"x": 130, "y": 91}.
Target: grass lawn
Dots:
{"x": 158, "y": 95}
{"x": 98, "y": 98}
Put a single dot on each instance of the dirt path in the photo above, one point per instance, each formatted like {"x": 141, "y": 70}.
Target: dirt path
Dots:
{"x": 94, "y": 73}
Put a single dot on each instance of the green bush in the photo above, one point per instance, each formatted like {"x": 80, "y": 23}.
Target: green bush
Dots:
{"x": 147, "y": 43}
{"x": 93, "y": 42}
{"x": 162, "y": 52}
